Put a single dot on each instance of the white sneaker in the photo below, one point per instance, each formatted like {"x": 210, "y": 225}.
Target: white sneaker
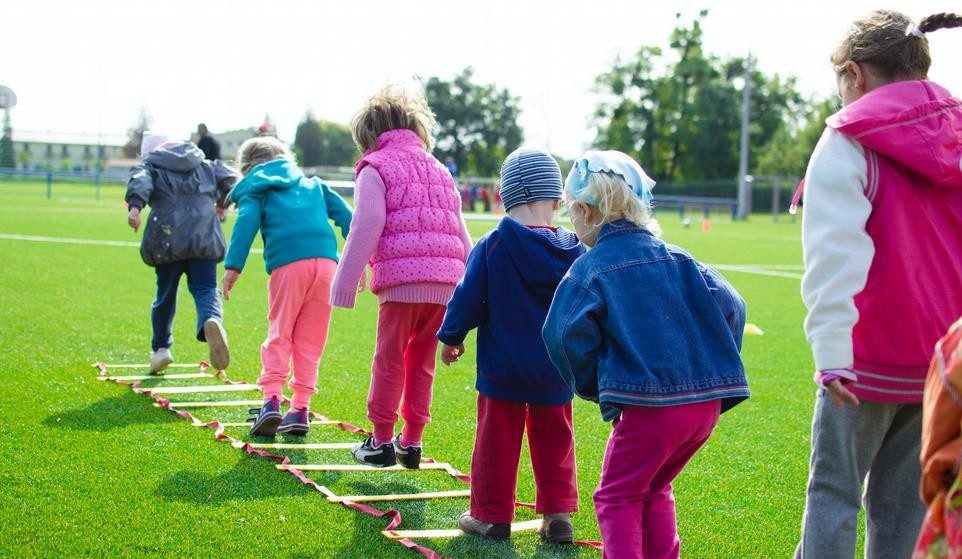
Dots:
{"x": 217, "y": 344}
{"x": 160, "y": 360}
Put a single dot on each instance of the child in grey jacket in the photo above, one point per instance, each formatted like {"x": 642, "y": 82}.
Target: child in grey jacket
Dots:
{"x": 182, "y": 236}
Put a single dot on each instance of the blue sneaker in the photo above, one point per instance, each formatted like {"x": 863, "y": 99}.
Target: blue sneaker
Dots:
{"x": 295, "y": 422}
{"x": 267, "y": 419}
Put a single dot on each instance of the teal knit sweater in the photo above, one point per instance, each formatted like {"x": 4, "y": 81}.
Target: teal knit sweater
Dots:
{"x": 291, "y": 211}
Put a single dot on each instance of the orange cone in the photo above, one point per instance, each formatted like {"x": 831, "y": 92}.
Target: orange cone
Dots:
{"x": 706, "y": 225}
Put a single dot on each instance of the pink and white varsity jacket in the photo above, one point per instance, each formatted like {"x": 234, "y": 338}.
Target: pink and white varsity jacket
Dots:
{"x": 882, "y": 238}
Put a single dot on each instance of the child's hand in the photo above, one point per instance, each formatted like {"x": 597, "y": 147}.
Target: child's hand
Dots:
{"x": 841, "y": 395}
{"x": 230, "y": 278}
{"x": 133, "y": 218}
{"x": 361, "y": 284}
{"x": 450, "y": 354}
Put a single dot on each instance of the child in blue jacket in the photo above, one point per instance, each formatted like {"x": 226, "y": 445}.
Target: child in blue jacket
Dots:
{"x": 651, "y": 335}
{"x": 507, "y": 287}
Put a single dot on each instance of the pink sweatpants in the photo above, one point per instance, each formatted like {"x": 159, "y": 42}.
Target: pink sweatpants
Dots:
{"x": 403, "y": 369}
{"x": 299, "y": 315}
{"x": 647, "y": 449}
{"x": 497, "y": 451}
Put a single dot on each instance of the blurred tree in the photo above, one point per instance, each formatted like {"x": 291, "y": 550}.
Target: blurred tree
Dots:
{"x": 320, "y": 142}
{"x": 680, "y": 116}
{"x": 477, "y": 123}
{"x": 8, "y": 157}
{"x": 792, "y": 145}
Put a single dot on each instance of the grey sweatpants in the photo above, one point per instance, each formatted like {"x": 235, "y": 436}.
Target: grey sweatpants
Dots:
{"x": 882, "y": 442}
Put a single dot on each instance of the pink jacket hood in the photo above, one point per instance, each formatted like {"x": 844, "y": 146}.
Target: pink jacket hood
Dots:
{"x": 917, "y": 124}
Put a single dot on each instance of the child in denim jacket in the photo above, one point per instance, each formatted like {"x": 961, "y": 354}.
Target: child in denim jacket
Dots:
{"x": 651, "y": 335}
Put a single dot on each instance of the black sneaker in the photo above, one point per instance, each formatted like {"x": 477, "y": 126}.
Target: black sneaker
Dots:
{"x": 408, "y": 456}
{"x": 295, "y": 422}
{"x": 473, "y": 526}
{"x": 377, "y": 456}
{"x": 267, "y": 420}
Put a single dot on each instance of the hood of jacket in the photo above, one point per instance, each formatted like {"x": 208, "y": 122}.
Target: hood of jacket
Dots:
{"x": 541, "y": 257}
{"x": 181, "y": 157}
{"x": 279, "y": 173}
{"x": 918, "y": 124}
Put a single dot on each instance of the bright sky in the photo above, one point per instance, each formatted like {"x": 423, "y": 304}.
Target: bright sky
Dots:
{"x": 88, "y": 68}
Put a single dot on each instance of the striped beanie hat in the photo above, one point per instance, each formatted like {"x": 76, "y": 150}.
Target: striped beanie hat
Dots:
{"x": 529, "y": 175}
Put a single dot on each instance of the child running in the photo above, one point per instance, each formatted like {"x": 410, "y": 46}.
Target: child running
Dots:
{"x": 881, "y": 237}
{"x": 292, "y": 213}
{"x": 511, "y": 276}
{"x": 407, "y": 224}
{"x": 651, "y": 335}
{"x": 185, "y": 193}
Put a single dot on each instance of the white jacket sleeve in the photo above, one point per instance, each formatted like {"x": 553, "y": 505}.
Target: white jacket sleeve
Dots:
{"x": 837, "y": 250}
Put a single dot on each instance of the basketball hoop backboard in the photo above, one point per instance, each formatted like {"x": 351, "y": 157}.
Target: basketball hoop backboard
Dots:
{"x": 7, "y": 98}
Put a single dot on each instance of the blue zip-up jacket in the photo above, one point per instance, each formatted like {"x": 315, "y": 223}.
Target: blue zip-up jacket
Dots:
{"x": 640, "y": 322}
{"x": 507, "y": 287}
{"x": 291, "y": 211}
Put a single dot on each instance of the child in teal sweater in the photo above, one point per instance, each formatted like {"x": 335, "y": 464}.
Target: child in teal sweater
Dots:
{"x": 292, "y": 213}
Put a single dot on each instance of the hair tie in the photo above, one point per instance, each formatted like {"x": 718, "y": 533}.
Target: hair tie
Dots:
{"x": 914, "y": 29}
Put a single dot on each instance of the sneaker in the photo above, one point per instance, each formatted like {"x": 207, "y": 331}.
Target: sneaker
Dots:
{"x": 408, "y": 456}
{"x": 267, "y": 419}
{"x": 473, "y": 526}
{"x": 377, "y": 456}
{"x": 217, "y": 344}
{"x": 160, "y": 360}
{"x": 295, "y": 422}
{"x": 557, "y": 528}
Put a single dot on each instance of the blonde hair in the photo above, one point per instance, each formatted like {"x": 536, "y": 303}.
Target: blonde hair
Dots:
{"x": 884, "y": 41}
{"x": 616, "y": 200}
{"x": 393, "y": 108}
{"x": 257, "y": 151}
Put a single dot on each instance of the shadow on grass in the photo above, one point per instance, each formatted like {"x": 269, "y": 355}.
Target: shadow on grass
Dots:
{"x": 250, "y": 479}
{"x": 104, "y": 415}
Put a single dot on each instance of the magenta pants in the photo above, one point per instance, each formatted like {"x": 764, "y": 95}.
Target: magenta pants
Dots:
{"x": 497, "y": 451}
{"x": 299, "y": 315}
{"x": 403, "y": 369}
{"x": 647, "y": 449}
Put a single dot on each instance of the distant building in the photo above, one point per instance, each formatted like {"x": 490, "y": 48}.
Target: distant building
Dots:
{"x": 51, "y": 153}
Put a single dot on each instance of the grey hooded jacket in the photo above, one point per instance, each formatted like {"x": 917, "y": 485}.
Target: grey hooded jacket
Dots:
{"x": 181, "y": 188}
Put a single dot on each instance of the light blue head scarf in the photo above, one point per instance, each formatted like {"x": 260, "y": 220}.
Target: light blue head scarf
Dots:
{"x": 614, "y": 162}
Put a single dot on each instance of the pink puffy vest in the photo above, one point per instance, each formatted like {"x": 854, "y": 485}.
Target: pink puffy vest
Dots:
{"x": 420, "y": 242}
{"x": 912, "y": 134}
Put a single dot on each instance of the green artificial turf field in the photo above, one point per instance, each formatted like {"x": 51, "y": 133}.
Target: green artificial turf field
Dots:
{"x": 92, "y": 469}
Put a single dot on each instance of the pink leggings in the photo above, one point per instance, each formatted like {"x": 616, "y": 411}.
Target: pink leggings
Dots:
{"x": 403, "y": 369}
{"x": 299, "y": 315}
{"x": 647, "y": 449}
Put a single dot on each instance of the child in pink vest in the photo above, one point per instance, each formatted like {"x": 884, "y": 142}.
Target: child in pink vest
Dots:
{"x": 882, "y": 225}
{"x": 407, "y": 224}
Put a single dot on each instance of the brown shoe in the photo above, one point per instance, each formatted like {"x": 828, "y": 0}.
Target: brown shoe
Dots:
{"x": 473, "y": 526}
{"x": 557, "y": 528}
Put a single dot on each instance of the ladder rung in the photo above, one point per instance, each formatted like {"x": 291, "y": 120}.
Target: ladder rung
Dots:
{"x": 358, "y": 467}
{"x": 401, "y": 534}
{"x": 401, "y": 496}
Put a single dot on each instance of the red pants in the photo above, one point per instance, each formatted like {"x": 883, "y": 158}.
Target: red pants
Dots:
{"x": 647, "y": 449}
{"x": 497, "y": 451}
{"x": 403, "y": 369}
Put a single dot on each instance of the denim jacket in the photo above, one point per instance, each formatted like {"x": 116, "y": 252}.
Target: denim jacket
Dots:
{"x": 636, "y": 321}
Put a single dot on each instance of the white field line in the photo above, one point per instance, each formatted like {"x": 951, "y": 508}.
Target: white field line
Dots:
{"x": 73, "y": 241}
{"x": 773, "y": 270}
{"x": 40, "y": 209}
{"x": 759, "y": 271}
